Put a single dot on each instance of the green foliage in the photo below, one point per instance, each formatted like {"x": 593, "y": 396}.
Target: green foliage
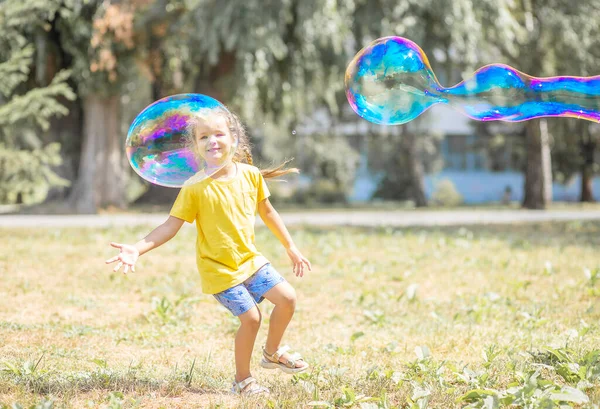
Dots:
{"x": 26, "y": 167}
{"x": 26, "y": 176}
{"x": 275, "y": 62}
{"x": 530, "y": 391}
{"x": 43, "y": 404}
{"x": 581, "y": 370}
{"x": 400, "y": 157}
{"x": 555, "y": 38}
{"x": 331, "y": 163}
{"x": 282, "y": 61}
{"x": 573, "y": 48}
{"x": 321, "y": 191}
{"x": 15, "y": 70}
{"x": 592, "y": 277}
{"x": 288, "y": 56}
{"x": 36, "y": 107}
{"x": 445, "y": 194}
{"x": 166, "y": 312}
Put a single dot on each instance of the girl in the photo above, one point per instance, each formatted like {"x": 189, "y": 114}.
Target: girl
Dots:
{"x": 224, "y": 206}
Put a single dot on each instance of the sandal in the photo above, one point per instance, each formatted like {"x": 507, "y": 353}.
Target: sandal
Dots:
{"x": 248, "y": 387}
{"x": 272, "y": 361}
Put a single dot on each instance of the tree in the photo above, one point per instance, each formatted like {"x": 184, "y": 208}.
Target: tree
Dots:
{"x": 27, "y": 163}
{"x": 452, "y": 35}
{"x": 99, "y": 70}
{"x": 271, "y": 62}
{"x": 92, "y": 39}
{"x": 576, "y": 145}
{"x": 574, "y": 152}
{"x": 547, "y": 35}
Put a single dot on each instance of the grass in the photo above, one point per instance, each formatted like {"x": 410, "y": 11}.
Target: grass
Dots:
{"x": 477, "y": 317}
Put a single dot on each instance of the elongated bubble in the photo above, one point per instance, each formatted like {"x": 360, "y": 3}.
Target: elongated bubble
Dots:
{"x": 390, "y": 82}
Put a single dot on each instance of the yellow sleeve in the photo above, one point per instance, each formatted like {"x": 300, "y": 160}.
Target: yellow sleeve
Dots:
{"x": 262, "y": 189}
{"x": 185, "y": 206}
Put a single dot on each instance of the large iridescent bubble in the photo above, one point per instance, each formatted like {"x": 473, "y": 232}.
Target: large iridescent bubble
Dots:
{"x": 159, "y": 145}
{"x": 390, "y": 82}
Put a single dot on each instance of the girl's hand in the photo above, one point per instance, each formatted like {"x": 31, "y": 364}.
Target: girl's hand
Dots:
{"x": 298, "y": 260}
{"x": 127, "y": 257}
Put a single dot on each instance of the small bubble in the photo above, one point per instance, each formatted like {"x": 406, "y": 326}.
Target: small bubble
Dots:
{"x": 293, "y": 132}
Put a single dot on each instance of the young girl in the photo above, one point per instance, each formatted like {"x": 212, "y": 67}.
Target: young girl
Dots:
{"x": 224, "y": 206}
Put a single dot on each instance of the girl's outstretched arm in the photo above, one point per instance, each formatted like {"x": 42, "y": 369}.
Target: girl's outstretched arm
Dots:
{"x": 273, "y": 221}
{"x": 129, "y": 254}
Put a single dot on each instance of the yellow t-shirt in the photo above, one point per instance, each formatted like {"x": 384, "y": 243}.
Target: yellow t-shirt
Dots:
{"x": 224, "y": 212}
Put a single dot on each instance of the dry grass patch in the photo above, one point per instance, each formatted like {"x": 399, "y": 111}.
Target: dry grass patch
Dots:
{"x": 389, "y": 318}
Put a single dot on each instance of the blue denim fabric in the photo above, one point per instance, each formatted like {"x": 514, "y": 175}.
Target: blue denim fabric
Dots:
{"x": 242, "y": 297}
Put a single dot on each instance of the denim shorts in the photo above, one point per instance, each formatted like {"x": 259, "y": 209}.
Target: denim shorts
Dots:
{"x": 242, "y": 297}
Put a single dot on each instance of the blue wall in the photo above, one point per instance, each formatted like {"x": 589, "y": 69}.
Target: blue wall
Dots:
{"x": 480, "y": 186}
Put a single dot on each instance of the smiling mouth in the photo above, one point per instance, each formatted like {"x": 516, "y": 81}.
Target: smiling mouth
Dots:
{"x": 214, "y": 150}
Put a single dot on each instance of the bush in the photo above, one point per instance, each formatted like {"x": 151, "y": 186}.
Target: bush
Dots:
{"x": 321, "y": 191}
{"x": 445, "y": 194}
{"x": 26, "y": 176}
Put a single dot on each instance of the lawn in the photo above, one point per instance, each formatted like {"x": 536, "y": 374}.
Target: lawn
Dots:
{"x": 482, "y": 317}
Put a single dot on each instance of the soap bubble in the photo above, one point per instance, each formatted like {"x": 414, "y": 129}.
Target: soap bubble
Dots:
{"x": 160, "y": 145}
{"x": 391, "y": 82}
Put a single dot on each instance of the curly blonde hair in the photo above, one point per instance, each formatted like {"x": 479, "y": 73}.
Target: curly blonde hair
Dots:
{"x": 243, "y": 153}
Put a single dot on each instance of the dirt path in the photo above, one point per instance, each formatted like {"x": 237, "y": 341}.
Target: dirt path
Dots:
{"x": 323, "y": 218}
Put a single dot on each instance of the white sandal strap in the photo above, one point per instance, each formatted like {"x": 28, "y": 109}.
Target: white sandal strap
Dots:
{"x": 291, "y": 362}
{"x": 282, "y": 350}
{"x": 242, "y": 384}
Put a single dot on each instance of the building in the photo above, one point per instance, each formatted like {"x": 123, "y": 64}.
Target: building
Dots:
{"x": 480, "y": 171}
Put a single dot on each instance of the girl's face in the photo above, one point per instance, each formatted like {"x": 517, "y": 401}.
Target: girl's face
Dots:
{"x": 214, "y": 141}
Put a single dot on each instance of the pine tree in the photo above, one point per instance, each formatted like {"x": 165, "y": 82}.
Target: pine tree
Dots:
{"x": 26, "y": 163}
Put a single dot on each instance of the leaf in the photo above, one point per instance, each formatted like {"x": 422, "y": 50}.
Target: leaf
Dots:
{"x": 561, "y": 355}
{"x": 100, "y": 362}
{"x": 587, "y": 273}
{"x": 422, "y": 352}
{"x": 477, "y": 394}
{"x": 356, "y": 335}
{"x": 307, "y": 386}
{"x": 411, "y": 292}
{"x": 8, "y": 367}
{"x": 491, "y": 402}
{"x": 569, "y": 394}
{"x": 420, "y": 392}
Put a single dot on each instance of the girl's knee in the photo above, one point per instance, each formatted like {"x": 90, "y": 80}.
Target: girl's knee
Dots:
{"x": 251, "y": 318}
{"x": 288, "y": 299}
{"x": 283, "y": 296}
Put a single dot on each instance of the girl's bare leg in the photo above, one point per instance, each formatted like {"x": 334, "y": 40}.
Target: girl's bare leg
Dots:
{"x": 244, "y": 342}
{"x": 283, "y": 296}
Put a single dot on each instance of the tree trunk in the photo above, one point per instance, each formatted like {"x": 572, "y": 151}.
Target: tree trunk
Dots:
{"x": 588, "y": 148}
{"x": 414, "y": 168}
{"x": 587, "y": 192}
{"x": 64, "y": 129}
{"x": 538, "y": 173}
{"x": 102, "y": 176}
{"x": 67, "y": 130}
